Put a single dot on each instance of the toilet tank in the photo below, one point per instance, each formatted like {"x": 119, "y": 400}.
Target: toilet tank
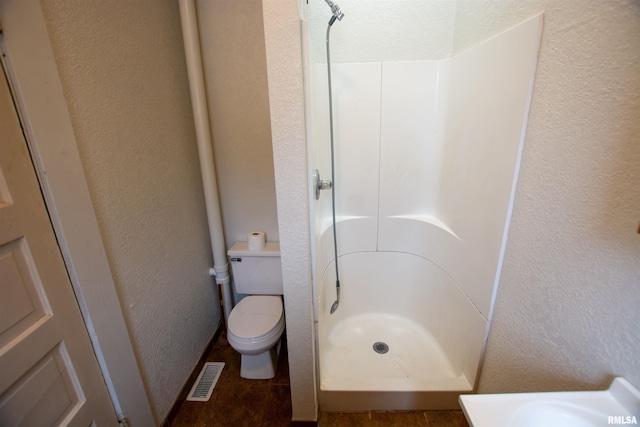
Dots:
{"x": 256, "y": 272}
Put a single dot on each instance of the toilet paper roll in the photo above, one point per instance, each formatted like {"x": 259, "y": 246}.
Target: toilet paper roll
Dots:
{"x": 257, "y": 240}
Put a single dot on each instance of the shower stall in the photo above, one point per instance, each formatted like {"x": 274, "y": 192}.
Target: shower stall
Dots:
{"x": 428, "y": 138}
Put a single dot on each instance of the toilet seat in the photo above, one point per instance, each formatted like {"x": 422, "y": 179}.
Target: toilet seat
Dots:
{"x": 255, "y": 323}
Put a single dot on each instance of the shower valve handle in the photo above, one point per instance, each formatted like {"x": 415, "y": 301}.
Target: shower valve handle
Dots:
{"x": 320, "y": 184}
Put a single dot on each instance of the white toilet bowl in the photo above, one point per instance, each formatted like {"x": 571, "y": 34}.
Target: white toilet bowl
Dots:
{"x": 254, "y": 329}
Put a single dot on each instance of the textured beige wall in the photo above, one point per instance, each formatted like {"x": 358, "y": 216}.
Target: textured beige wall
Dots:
{"x": 232, "y": 40}
{"x": 284, "y": 68}
{"x": 123, "y": 72}
{"x": 567, "y": 310}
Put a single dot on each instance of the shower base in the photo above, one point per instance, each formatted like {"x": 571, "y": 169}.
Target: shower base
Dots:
{"x": 427, "y": 333}
{"x": 414, "y": 360}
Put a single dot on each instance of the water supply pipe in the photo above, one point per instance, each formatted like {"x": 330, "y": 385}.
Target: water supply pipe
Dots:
{"x": 190, "y": 36}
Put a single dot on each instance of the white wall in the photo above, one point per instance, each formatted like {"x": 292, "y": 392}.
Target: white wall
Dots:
{"x": 232, "y": 43}
{"x": 286, "y": 100}
{"x": 479, "y": 20}
{"x": 434, "y": 140}
{"x": 383, "y": 30}
{"x": 567, "y": 312}
{"x": 411, "y": 30}
{"x": 123, "y": 74}
{"x": 488, "y": 101}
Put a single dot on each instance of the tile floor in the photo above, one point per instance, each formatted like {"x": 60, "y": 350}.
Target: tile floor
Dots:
{"x": 239, "y": 402}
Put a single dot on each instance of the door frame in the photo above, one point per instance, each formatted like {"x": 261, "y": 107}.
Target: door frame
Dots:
{"x": 42, "y": 106}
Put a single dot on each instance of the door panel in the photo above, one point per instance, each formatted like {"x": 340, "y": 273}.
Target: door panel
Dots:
{"x": 48, "y": 372}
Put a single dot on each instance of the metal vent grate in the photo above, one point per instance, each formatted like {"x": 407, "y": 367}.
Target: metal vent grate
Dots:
{"x": 203, "y": 387}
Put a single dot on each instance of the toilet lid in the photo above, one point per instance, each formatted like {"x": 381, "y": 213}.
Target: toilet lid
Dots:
{"x": 255, "y": 316}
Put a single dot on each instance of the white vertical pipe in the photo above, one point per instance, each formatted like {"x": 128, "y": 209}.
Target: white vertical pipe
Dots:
{"x": 191, "y": 40}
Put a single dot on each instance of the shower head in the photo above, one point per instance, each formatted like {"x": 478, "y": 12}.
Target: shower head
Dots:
{"x": 335, "y": 9}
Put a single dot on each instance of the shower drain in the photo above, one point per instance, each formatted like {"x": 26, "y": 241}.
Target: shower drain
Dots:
{"x": 380, "y": 347}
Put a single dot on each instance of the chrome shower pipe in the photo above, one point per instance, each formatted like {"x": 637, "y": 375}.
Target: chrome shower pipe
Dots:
{"x": 335, "y": 305}
{"x": 335, "y": 9}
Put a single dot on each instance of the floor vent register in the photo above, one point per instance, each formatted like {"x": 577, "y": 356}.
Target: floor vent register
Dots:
{"x": 203, "y": 387}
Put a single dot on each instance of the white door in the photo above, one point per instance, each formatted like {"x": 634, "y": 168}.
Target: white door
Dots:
{"x": 49, "y": 374}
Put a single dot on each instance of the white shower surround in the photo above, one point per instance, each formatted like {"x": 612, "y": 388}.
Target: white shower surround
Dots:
{"x": 427, "y": 154}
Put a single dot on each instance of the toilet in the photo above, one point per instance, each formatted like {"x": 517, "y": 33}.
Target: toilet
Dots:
{"x": 256, "y": 323}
